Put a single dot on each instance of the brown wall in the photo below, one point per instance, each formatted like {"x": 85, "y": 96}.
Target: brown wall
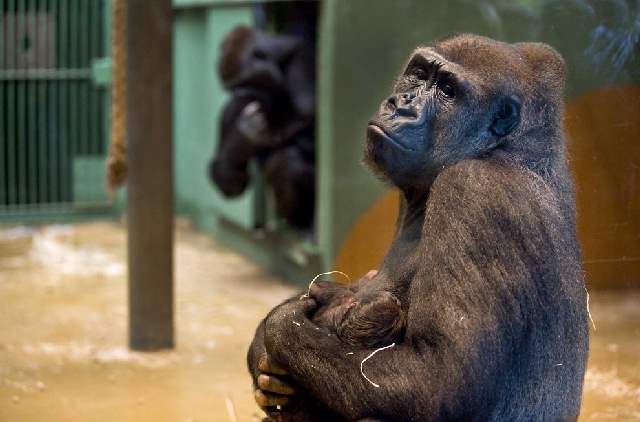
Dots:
{"x": 603, "y": 128}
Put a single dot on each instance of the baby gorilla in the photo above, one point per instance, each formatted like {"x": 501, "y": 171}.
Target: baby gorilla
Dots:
{"x": 358, "y": 314}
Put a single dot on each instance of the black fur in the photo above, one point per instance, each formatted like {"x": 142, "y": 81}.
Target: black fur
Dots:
{"x": 485, "y": 262}
{"x": 360, "y": 316}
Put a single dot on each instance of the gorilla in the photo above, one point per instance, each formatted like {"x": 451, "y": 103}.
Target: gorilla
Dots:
{"x": 485, "y": 264}
{"x": 269, "y": 117}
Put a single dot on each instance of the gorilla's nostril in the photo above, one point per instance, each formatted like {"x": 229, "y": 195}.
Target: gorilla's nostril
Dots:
{"x": 406, "y": 98}
{"x": 400, "y": 105}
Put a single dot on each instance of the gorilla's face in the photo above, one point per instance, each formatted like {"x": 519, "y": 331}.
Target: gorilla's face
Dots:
{"x": 441, "y": 111}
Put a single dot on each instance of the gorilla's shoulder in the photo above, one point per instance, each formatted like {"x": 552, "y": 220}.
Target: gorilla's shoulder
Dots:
{"x": 493, "y": 186}
{"x": 489, "y": 174}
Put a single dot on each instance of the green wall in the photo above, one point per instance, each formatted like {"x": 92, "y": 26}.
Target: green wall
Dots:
{"x": 198, "y": 100}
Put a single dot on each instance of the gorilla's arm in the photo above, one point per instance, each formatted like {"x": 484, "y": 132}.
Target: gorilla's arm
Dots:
{"x": 469, "y": 298}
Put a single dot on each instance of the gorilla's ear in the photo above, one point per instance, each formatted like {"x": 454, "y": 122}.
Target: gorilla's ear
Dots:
{"x": 506, "y": 117}
{"x": 546, "y": 64}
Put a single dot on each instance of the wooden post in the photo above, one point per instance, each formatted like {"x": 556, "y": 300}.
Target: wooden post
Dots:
{"x": 150, "y": 173}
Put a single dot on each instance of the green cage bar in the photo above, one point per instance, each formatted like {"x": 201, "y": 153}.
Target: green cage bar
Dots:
{"x": 12, "y": 185}
{"x": 21, "y": 111}
{"x": 31, "y": 109}
{"x": 51, "y": 113}
{"x": 41, "y": 106}
{"x": 3, "y": 136}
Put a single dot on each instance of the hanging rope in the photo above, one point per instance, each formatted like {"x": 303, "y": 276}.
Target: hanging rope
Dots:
{"x": 117, "y": 161}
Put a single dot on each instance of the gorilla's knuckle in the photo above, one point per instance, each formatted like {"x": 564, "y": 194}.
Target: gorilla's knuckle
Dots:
{"x": 260, "y": 398}
{"x": 264, "y": 382}
{"x": 263, "y": 363}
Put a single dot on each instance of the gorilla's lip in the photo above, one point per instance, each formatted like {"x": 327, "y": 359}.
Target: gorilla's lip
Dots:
{"x": 376, "y": 130}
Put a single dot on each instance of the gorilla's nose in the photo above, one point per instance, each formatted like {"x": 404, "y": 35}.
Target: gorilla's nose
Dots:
{"x": 403, "y": 105}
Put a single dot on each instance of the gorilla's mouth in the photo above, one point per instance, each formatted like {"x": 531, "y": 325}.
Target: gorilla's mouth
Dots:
{"x": 376, "y": 132}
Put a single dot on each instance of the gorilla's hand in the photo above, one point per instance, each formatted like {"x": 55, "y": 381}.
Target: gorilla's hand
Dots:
{"x": 332, "y": 293}
{"x": 252, "y": 123}
{"x": 273, "y": 387}
{"x": 327, "y": 292}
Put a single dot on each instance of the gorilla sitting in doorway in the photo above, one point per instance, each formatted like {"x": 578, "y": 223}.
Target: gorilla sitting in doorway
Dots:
{"x": 270, "y": 117}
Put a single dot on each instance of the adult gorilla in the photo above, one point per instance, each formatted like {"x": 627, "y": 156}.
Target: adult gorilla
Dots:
{"x": 485, "y": 261}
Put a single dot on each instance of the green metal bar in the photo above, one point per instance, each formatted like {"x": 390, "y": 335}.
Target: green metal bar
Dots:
{"x": 63, "y": 188}
{"x": 31, "y": 115}
{"x": 37, "y": 74}
{"x": 61, "y": 94}
{"x": 55, "y": 213}
{"x": 22, "y": 111}
{"x": 3, "y": 108}
{"x": 43, "y": 111}
{"x": 11, "y": 112}
{"x": 105, "y": 100}
{"x": 73, "y": 121}
{"x": 53, "y": 116}
{"x": 83, "y": 86}
{"x": 94, "y": 30}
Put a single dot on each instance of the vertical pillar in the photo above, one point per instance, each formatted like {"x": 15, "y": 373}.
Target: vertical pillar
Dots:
{"x": 150, "y": 174}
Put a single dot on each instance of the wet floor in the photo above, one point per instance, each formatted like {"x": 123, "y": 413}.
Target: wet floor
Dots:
{"x": 63, "y": 354}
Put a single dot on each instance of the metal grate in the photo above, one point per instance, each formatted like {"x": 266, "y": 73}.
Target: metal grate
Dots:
{"x": 52, "y": 115}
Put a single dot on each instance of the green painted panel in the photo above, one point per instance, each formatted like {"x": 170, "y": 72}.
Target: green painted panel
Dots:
{"x": 101, "y": 71}
{"x": 89, "y": 185}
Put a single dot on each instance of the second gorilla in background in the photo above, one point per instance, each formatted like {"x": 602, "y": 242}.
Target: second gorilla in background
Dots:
{"x": 269, "y": 118}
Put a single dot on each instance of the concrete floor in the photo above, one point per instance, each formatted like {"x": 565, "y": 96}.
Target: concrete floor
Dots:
{"x": 63, "y": 354}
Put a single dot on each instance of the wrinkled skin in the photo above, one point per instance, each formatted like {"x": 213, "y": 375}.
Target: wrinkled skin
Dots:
{"x": 485, "y": 263}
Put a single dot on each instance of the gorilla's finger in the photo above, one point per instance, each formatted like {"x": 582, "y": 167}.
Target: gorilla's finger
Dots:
{"x": 274, "y": 384}
{"x": 303, "y": 306}
{"x": 324, "y": 291}
{"x": 269, "y": 400}
{"x": 269, "y": 366}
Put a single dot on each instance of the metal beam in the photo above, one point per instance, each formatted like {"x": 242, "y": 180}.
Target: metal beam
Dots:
{"x": 150, "y": 174}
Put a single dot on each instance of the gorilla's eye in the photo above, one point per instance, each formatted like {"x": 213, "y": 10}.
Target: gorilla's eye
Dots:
{"x": 420, "y": 74}
{"x": 447, "y": 88}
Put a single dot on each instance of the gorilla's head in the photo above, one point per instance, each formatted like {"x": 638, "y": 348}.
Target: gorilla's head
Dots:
{"x": 465, "y": 97}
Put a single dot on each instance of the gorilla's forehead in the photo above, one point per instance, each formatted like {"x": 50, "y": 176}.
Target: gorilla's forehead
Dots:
{"x": 473, "y": 53}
